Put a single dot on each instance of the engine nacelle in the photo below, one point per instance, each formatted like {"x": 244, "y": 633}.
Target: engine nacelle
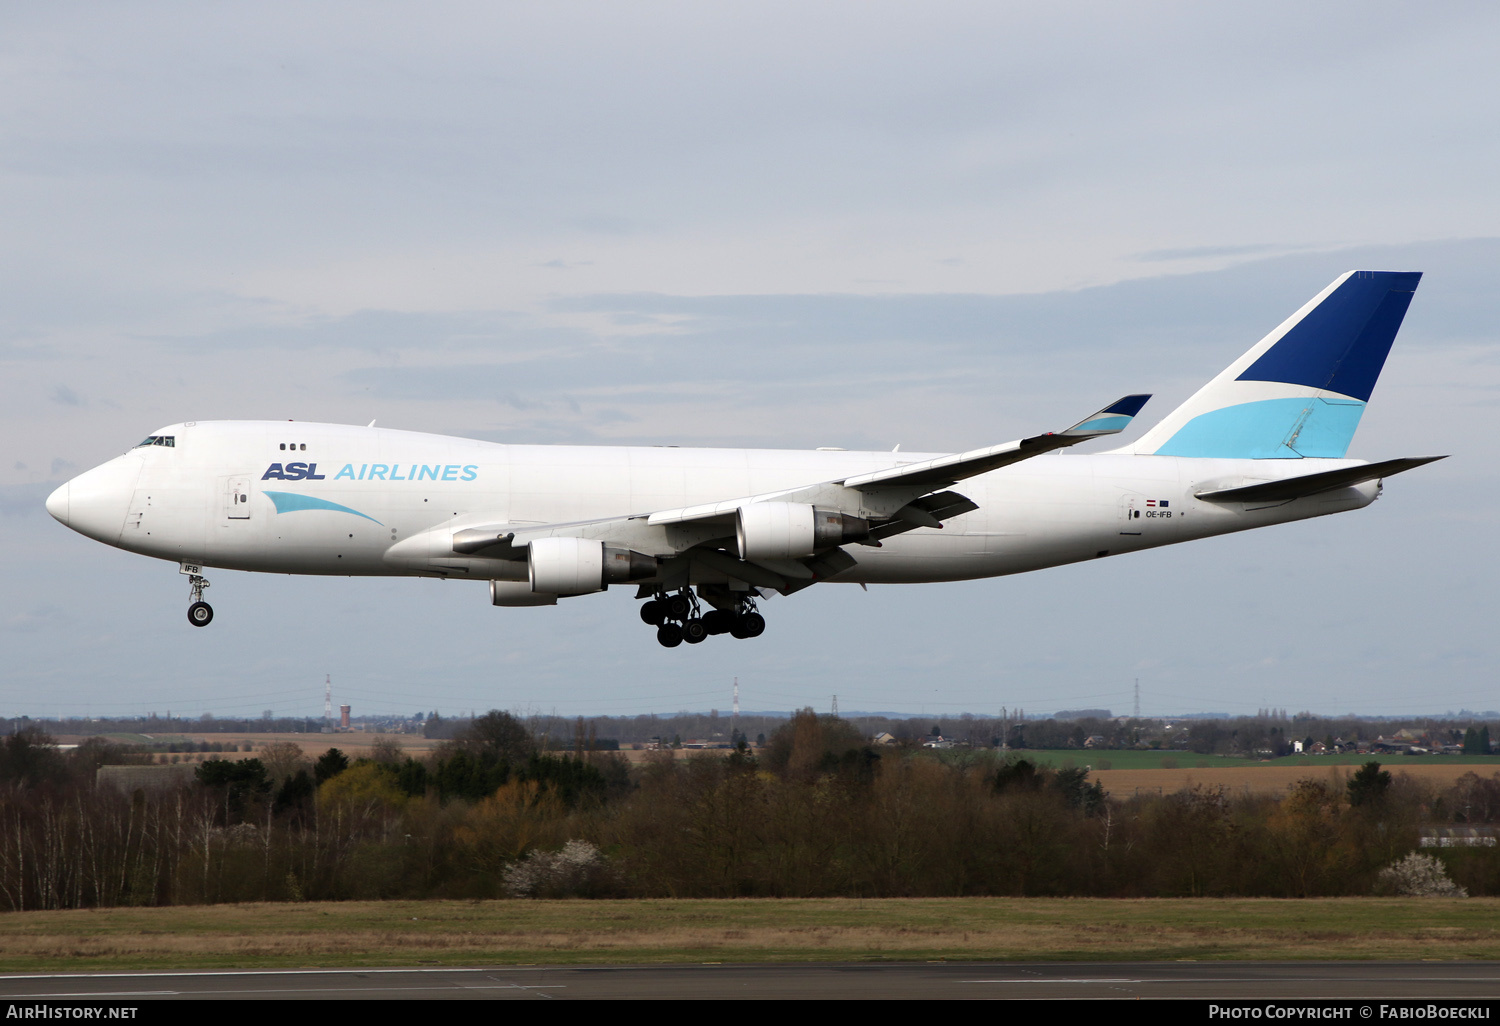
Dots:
{"x": 790, "y": 530}
{"x": 578, "y": 566}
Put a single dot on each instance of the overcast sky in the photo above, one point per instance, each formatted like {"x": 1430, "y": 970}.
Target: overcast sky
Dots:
{"x": 770, "y": 224}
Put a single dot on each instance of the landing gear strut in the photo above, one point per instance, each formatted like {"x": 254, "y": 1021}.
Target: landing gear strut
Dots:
{"x": 200, "y": 613}
{"x": 677, "y": 618}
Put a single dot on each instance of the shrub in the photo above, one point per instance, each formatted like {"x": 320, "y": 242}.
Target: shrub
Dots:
{"x": 1419, "y": 876}
{"x": 576, "y": 871}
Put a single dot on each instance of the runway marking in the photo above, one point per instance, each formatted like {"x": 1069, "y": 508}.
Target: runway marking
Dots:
{"x": 1225, "y": 979}
{"x": 277, "y": 990}
{"x": 258, "y": 972}
{"x": 100, "y": 994}
{"x": 522, "y": 986}
{"x": 1064, "y": 980}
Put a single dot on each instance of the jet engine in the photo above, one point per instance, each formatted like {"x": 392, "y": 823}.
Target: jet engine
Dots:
{"x": 790, "y": 530}
{"x": 578, "y": 566}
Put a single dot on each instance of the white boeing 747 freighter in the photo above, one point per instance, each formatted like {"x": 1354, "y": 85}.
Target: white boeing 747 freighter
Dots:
{"x": 701, "y": 534}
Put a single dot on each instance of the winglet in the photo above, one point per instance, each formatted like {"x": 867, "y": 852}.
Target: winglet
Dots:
{"x": 1109, "y": 421}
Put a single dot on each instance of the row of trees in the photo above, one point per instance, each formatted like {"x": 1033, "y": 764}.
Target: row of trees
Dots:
{"x": 816, "y": 812}
{"x": 1269, "y": 732}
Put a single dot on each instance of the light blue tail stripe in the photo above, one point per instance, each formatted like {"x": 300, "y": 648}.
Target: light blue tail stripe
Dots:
{"x": 1270, "y": 429}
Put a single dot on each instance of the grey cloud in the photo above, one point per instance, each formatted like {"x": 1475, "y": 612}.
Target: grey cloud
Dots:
{"x": 1162, "y": 313}
{"x": 65, "y": 395}
{"x": 605, "y": 224}
{"x": 390, "y": 330}
{"x": 1199, "y": 252}
{"x": 770, "y": 356}
{"x": 25, "y": 500}
{"x": 39, "y": 619}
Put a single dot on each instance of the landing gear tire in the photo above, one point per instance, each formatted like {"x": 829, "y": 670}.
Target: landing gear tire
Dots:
{"x": 678, "y": 606}
{"x": 669, "y": 635}
{"x": 653, "y": 612}
{"x": 748, "y": 625}
{"x": 200, "y": 614}
{"x": 717, "y": 621}
{"x": 693, "y": 631}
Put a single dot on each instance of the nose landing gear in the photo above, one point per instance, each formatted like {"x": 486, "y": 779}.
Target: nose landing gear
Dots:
{"x": 200, "y": 613}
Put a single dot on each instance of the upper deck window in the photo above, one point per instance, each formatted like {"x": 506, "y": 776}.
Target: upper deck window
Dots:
{"x": 170, "y": 441}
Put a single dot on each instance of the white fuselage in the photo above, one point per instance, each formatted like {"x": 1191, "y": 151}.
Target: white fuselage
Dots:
{"x": 228, "y": 494}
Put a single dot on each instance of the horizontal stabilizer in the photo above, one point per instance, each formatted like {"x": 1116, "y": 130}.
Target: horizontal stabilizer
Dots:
{"x": 1312, "y": 484}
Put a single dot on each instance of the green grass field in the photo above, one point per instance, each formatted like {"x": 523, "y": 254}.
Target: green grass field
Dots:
{"x": 759, "y": 930}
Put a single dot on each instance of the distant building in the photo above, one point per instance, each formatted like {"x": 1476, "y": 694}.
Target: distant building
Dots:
{"x": 1458, "y": 837}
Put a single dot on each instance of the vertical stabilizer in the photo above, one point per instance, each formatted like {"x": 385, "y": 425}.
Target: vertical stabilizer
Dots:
{"x": 1301, "y": 390}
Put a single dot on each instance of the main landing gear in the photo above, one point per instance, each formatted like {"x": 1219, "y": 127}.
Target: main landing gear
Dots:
{"x": 676, "y": 617}
{"x": 200, "y": 613}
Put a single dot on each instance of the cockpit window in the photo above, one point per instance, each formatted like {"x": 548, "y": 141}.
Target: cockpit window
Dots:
{"x": 170, "y": 441}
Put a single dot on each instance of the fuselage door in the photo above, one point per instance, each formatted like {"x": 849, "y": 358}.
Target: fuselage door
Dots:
{"x": 237, "y": 498}
{"x": 1131, "y": 505}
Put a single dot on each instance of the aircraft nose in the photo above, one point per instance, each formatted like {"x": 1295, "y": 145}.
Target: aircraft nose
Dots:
{"x": 57, "y": 503}
{"x": 95, "y": 502}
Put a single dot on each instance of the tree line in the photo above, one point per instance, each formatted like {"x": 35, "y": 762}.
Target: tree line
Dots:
{"x": 816, "y": 812}
{"x": 1270, "y": 733}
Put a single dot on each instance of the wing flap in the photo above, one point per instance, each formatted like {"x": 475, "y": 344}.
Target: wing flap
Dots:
{"x": 928, "y": 511}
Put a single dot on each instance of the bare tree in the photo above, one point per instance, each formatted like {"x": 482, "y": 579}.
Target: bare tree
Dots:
{"x": 282, "y": 760}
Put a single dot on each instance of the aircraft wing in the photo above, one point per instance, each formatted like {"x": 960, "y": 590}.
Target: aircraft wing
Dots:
{"x": 917, "y": 479}
{"x": 870, "y": 506}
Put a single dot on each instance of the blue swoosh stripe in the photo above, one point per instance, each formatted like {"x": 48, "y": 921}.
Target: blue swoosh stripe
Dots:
{"x": 289, "y": 502}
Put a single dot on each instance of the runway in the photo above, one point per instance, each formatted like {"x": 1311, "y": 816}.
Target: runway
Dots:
{"x": 1357, "y": 982}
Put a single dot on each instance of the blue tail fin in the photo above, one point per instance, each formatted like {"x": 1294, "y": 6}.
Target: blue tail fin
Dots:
{"x": 1301, "y": 390}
